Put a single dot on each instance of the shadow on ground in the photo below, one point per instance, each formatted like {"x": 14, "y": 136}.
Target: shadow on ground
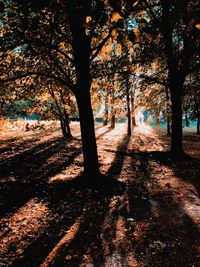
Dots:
{"x": 138, "y": 223}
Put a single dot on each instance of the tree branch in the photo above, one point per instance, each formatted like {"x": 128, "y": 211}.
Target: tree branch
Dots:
{"x": 32, "y": 73}
{"x": 100, "y": 46}
{"x": 56, "y": 62}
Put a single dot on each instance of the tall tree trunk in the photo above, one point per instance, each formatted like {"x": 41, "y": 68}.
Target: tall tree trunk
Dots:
{"x": 198, "y": 122}
{"x": 91, "y": 166}
{"x": 132, "y": 111}
{"x": 65, "y": 114}
{"x": 157, "y": 120}
{"x": 187, "y": 123}
{"x": 62, "y": 125}
{"x": 198, "y": 113}
{"x": 66, "y": 132}
{"x": 81, "y": 44}
{"x": 168, "y": 125}
{"x": 112, "y": 94}
{"x": 177, "y": 135}
{"x": 168, "y": 111}
{"x": 66, "y": 122}
{"x": 112, "y": 125}
{"x": 128, "y": 107}
{"x": 105, "y": 119}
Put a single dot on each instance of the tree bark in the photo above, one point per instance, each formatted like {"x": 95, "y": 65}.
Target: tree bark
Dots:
{"x": 65, "y": 115}
{"x": 105, "y": 119}
{"x": 62, "y": 125}
{"x": 91, "y": 166}
{"x": 112, "y": 125}
{"x": 168, "y": 125}
{"x": 66, "y": 122}
{"x": 157, "y": 120}
{"x": 187, "y": 124}
{"x": 198, "y": 122}
{"x": 81, "y": 44}
{"x": 132, "y": 111}
{"x": 128, "y": 108}
{"x": 168, "y": 111}
{"x": 198, "y": 114}
{"x": 177, "y": 135}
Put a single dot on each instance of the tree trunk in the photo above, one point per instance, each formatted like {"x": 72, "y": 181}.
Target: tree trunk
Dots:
{"x": 187, "y": 123}
{"x": 157, "y": 120}
{"x": 198, "y": 114}
{"x": 81, "y": 44}
{"x": 132, "y": 111}
{"x": 91, "y": 166}
{"x": 177, "y": 135}
{"x": 66, "y": 122}
{"x": 63, "y": 128}
{"x": 105, "y": 119}
{"x": 168, "y": 111}
{"x": 112, "y": 94}
{"x": 168, "y": 125}
{"x": 198, "y": 122}
{"x": 112, "y": 121}
{"x": 128, "y": 109}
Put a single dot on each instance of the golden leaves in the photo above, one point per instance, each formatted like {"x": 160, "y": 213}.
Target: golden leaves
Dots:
{"x": 137, "y": 35}
{"x": 136, "y": 3}
{"x": 88, "y": 19}
{"x": 106, "y": 48}
{"x": 197, "y": 26}
{"x": 115, "y": 17}
{"x": 62, "y": 45}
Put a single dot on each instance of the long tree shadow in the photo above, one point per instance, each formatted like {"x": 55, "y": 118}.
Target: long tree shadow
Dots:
{"x": 8, "y": 146}
{"x": 75, "y": 228}
{"x": 187, "y": 169}
{"x": 88, "y": 240}
{"x": 26, "y": 174}
{"x": 79, "y": 204}
{"x": 104, "y": 133}
{"x": 168, "y": 235}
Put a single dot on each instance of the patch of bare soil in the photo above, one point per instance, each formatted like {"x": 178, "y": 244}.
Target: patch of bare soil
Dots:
{"x": 149, "y": 217}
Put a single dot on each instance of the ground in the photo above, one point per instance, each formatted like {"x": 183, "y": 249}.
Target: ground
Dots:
{"x": 149, "y": 217}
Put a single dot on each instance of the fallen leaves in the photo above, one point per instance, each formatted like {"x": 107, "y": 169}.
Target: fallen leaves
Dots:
{"x": 151, "y": 222}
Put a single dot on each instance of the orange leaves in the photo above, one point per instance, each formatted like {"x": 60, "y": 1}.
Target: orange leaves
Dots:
{"x": 197, "y": 26}
{"x": 136, "y": 3}
{"x": 95, "y": 84}
{"x": 119, "y": 49}
{"x": 62, "y": 45}
{"x": 107, "y": 48}
{"x": 137, "y": 35}
{"x": 115, "y": 17}
{"x": 88, "y": 19}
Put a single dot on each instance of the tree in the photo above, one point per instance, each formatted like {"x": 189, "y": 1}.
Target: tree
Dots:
{"x": 58, "y": 42}
{"x": 191, "y": 101}
{"x": 175, "y": 22}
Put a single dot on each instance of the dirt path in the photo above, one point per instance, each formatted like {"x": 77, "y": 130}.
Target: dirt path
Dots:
{"x": 151, "y": 217}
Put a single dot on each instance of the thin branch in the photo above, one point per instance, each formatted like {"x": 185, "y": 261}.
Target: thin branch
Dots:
{"x": 151, "y": 12}
{"x": 53, "y": 47}
{"x": 100, "y": 46}
{"x": 31, "y": 73}
{"x": 56, "y": 62}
